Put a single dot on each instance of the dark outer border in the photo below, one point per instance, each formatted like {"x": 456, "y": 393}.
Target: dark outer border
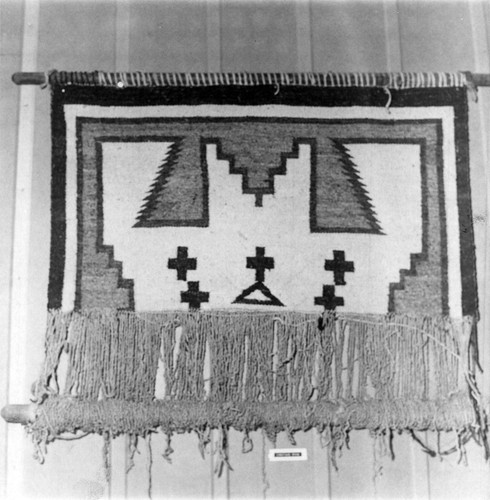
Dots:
{"x": 257, "y": 95}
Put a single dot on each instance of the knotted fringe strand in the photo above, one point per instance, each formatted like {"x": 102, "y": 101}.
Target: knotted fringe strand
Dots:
{"x": 248, "y": 370}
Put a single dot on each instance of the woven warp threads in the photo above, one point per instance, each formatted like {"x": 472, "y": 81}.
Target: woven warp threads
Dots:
{"x": 260, "y": 357}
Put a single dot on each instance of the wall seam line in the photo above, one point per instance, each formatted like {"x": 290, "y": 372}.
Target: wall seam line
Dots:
{"x": 14, "y": 447}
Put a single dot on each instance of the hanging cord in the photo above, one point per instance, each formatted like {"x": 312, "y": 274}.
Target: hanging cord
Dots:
{"x": 387, "y": 91}
{"x": 480, "y": 413}
{"x": 168, "y": 448}
{"x": 149, "y": 464}
{"x": 222, "y": 451}
{"x": 265, "y": 482}
{"x": 72, "y": 438}
{"x": 132, "y": 449}
{"x": 204, "y": 436}
{"x": 471, "y": 85}
{"x": 463, "y": 438}
{"x": 106, "y": 452}
{"x": 247, "y": 443}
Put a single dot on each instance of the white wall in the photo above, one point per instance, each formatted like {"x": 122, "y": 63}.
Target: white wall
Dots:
{"x": 210, "y": 36}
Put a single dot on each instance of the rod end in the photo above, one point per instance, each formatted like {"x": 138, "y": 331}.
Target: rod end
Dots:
{"x": 19, "y": 414}
{"x": 23, "y": 78}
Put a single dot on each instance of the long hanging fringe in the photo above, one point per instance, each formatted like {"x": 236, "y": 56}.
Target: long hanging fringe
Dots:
{"x": 149, "y": 458}
{"x": 106, "y": 452}
{"x": 265, "y": 481}
{"x": 248, "y": 370}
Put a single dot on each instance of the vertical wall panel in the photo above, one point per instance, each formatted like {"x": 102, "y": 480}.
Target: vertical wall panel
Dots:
{"x": 72, "y": 470}
{"x": 188, "y": 475}
{"x": 303, "y": 37}
{"x": 404, "y": 476}
{"x": 348, "y": 36}
{"x": 322, "y": 467}
{"x": 458, "y": 480}
{"x": 355, "y": 475}
{"x": 247, "y": 478}
{"x": 168, "y": 36}
{"x": 436, "y": 36}
{"x": 77, "y": 35}
{"x": 258, "y": 36}
{"x": 392, "y": 36}
{"x": 480, "y": 160}
{"x": 18, "y": 383}
{"x": 122, "y": 26}
{"x": 291, "y": 479}
{"x": 11, "y": 20}
{"x": 72, "y": 35}
{"x": 213, "y": 35}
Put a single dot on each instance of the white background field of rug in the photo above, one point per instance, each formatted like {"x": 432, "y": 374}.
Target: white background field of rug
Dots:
{"x": 391, "y": 174}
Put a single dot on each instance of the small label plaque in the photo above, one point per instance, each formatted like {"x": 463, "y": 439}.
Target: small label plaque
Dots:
{"x": 287, "y": 454}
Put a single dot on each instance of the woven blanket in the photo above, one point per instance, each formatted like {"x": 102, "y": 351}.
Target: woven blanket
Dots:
{"x": 259, "y": 251}
{"x": 270, "y": 193}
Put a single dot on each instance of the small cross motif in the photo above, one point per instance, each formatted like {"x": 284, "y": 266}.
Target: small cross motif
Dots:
{"x": 328, "y": 300}
{"x": 194, "y": 296}
{"x": 260, "y": 263}
{"x": 182, "y": 263}
{"x": 339, "y": 266}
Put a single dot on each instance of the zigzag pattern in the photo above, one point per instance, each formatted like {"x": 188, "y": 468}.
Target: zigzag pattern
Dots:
{"x": 360, "y": 188}
{"x": 164, "y": 171}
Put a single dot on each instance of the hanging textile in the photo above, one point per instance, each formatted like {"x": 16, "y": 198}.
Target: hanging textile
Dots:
{"x": 252, "y": 251}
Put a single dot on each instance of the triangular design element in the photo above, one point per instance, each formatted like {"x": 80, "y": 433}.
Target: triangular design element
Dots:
{"x": 270, "y": 299}
{"x": 152, "y": 198}
{"x": 359, "y": 187}
{"x": 340, "y": 202}
{"x": 178, "y": 195}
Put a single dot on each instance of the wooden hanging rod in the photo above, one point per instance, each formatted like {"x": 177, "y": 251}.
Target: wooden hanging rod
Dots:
{"x": 19, "y": 414}
{"x": 23, "y": 78}
{"x": 366, "y": 79}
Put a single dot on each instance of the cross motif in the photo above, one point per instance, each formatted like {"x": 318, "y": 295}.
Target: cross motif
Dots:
{"x": 193, "y": 296}
{"x": 182, "y": 263}
{"x": 260, "y": 263}
{"x": 339, "y": 266}
{"x": 328, "y": 300}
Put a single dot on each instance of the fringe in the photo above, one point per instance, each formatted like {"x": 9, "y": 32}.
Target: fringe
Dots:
{"x": 252, "y": 356}
{"x": 58, "y": 415}
{"x": 248, "y": 370}
{"x": 331, "y": 79}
